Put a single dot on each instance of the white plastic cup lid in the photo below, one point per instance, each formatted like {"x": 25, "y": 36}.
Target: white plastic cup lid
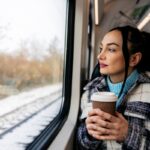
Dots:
{"x": 104, "y": 97}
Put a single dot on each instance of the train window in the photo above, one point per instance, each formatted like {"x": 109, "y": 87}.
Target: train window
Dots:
{"x": 32, "y": 58}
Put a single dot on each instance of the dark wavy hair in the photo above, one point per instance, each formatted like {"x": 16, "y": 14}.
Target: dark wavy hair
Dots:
{"x": 140, "y": 42}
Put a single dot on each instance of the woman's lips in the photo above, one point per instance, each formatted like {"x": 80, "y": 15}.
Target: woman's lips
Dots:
{"x": 103, "y": 65}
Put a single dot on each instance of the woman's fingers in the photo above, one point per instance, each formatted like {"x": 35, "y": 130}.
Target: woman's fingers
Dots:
{"x": 104, "y": 137}
{"x": 95, "y": 129}
{"x": 105, "y": 126}
{"x": 120, "y": 116}
{"x": 99, "y": 122}
{"x": 103, "y": 115}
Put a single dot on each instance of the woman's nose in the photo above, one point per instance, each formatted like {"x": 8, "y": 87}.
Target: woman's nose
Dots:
{"x": 101, "y": 55}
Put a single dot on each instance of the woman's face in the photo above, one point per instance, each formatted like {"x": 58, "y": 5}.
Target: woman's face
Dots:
{"x": 111, "y": 57}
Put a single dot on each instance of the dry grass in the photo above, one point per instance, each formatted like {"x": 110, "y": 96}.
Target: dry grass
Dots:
{"x": 21, "y": 73}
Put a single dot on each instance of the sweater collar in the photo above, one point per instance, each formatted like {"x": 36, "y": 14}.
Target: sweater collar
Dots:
{"x": 116, "y": 87}
{"x": 100, "y": 82}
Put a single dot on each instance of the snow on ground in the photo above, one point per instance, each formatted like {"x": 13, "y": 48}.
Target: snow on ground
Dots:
{"x": 13, "y": 102}
{"x": 28, "y": 130}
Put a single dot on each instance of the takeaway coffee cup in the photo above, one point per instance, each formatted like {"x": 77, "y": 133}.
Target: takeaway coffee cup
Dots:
{"x": 106, "y": 101}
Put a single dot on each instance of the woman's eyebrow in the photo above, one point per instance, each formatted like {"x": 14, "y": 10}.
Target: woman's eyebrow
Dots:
{"x": 113, "y": 44}
{"x": 101, "y": 44}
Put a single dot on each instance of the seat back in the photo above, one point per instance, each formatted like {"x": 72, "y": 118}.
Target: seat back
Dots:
{"x": 96, "y": 72}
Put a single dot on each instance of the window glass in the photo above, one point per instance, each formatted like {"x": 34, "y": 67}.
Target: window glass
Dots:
{"x": 32, "y": 40}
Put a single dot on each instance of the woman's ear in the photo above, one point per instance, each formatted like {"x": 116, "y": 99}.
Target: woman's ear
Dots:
{"x": 135, "y": 59}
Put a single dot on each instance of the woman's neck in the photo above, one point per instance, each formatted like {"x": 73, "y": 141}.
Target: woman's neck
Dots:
{"x": 120, "y": 77}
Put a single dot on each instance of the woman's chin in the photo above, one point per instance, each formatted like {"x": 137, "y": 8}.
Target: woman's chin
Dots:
{"x": 103, "y": 72}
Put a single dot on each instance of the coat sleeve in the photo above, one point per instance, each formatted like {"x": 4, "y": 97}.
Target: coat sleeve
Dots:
{"x": 86, "y": 105}
{"x": 138, "y": 116}
{"x": 84, "y": 140}
{"x": 138, "y": 136}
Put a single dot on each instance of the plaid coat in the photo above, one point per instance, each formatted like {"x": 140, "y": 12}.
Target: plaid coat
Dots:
{"x": 136, "y": 109}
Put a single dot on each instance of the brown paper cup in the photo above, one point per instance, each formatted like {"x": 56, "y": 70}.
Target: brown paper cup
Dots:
{"x": 106, "y": 101}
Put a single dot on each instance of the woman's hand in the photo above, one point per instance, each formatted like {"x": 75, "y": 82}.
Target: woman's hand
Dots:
{"x": 104, "y": 126}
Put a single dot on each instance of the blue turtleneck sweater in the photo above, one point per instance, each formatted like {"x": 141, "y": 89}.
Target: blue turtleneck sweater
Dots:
{"x": 116, "y": 87}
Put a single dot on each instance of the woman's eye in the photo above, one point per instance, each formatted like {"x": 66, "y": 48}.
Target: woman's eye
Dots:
{"x": 100, "y": 49}
{"x": 111, "y": 49}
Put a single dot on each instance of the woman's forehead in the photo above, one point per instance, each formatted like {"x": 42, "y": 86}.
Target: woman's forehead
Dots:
{"x": 114, "y": 36}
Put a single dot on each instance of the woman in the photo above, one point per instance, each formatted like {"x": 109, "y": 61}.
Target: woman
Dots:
{"x": 122, "y": 60}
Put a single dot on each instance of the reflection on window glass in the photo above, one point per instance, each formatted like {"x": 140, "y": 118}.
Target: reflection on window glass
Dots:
{"x": 32, "y": 37}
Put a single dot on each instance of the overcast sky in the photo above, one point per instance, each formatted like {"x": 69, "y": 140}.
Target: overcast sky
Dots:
{"x": 26, "y": 20}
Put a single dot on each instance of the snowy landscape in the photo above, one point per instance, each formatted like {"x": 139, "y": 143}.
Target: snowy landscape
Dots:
{"x": 24, "y": 116}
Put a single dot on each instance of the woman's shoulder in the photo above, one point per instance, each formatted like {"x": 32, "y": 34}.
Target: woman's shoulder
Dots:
{"x": 147, "y": 73}
{"x": 97, "y": 82}
{"x": 138, "y": 103}
{"x": 144, "y": 77}
{"x": 141, "y": 93}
